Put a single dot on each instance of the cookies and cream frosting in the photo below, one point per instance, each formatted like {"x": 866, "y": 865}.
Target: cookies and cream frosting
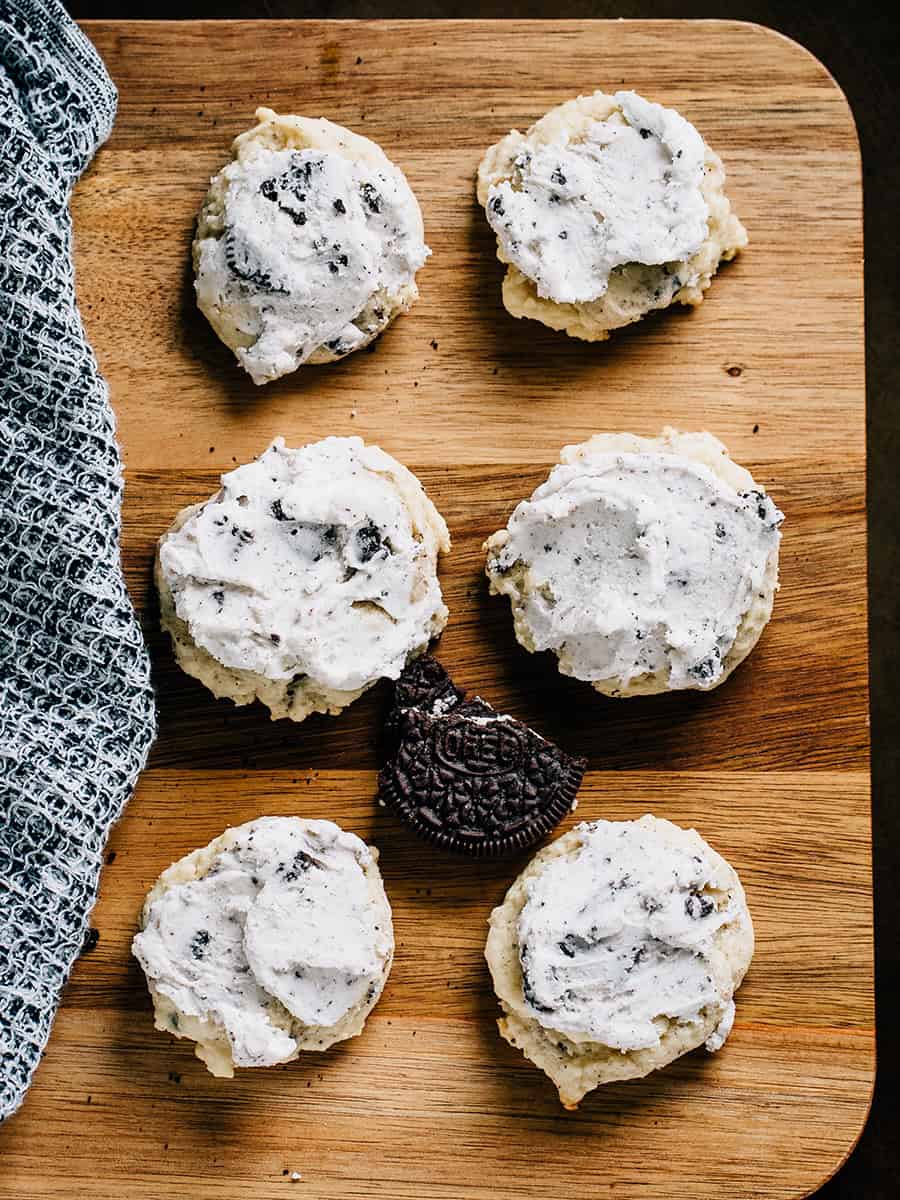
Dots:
{"x": 636, "y": 560}
{"x": 622, "y": 933}
{"x": 305, "y": 248}
{"x": 314, "y": 566}
{"x": 626, "y": 190}
{"x": 266, "y": 934}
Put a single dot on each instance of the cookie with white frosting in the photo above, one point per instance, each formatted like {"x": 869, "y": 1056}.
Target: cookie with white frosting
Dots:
{"x": 645, "y": 564}
{"x": 608, "y": 208}
{"x": 274, "y": 939}
{"x": 618, "y": 949}
{"x": 307, "y": 245}
{"x": 309, "y": 576}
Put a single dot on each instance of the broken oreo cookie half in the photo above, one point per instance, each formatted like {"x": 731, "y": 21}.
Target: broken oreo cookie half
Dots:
{"x": 468, "y": 778}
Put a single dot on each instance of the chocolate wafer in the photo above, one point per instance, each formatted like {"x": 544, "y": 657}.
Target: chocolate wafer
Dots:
{"x": 465, "y": 777}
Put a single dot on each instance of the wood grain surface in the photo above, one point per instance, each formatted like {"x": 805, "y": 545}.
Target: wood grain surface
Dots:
{"x": 772, "y": 768}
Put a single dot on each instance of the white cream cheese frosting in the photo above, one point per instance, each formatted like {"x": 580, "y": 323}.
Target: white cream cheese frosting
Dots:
{"x": 618, "y": 949}
{"x": 623, "y": 933}
{"x": 273, "y": 939}
{"x": 308, "y": 577}
{"x": 307, "y": 246}
{"x": 626, "y": 190}
{"x": 644, "y": 564}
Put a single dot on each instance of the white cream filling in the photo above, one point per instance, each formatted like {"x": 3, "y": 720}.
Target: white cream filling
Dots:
{"x": 627, "y": 192}
{"x": 307, "y": 238}
{"x": 636, "y": 564}
{"x": 283, "y": 914}
{"x": 617, "y": 941}
{"x": 319, "y": 561}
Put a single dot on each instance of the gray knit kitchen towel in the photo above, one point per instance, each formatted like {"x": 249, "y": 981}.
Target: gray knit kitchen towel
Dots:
{"x": 76, "y": 706}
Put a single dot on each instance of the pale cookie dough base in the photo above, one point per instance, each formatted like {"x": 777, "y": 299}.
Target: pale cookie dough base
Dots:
{"x": 631, "y": 288}
{"x": 699, "y": 447}
{"x": 276, "y": 132}
{"x": 213, "y": 1047}
{"x": 576, "y": 1068}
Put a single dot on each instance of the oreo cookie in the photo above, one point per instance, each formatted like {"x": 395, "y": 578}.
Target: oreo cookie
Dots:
{"x": 424, "y": 685}
{"x": 466, "y": 777}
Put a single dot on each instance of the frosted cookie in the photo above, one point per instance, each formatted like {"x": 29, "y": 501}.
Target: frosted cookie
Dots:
{"x": 307, "y": 245}
{"x": 607, "y": 208}
{"x": 645, "y": 564}
{"x": 465, "y": 777}
{"x": 309, "y": 576}
{"x": 618, "y": 949}
{"x": 273, "y": 939}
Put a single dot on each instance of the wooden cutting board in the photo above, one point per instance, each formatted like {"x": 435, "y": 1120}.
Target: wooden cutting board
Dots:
{"x": 772, "y": 768}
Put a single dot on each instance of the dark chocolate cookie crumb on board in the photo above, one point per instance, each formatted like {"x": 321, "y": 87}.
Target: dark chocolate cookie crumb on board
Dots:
{"x": 466, "y": 777}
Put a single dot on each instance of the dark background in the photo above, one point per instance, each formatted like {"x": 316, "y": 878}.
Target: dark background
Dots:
{"x": 860, "y": 45}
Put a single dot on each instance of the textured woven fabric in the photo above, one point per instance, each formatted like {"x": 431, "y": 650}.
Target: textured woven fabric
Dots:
{"x": 76, "y": 706}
